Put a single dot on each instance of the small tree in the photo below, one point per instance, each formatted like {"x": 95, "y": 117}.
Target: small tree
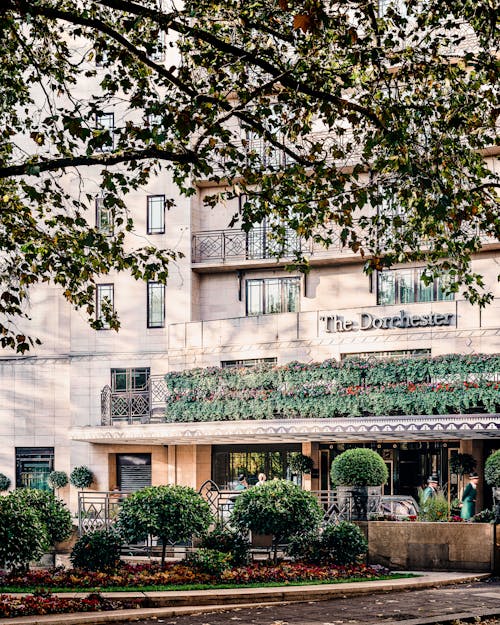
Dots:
{"x": 277, "y": 507}
{"x": 23, "y": 536}
{"x": 172, "y": 513}
{"x": 359, "y": 467}
{"x": 57, "y": 479}
{"x": 300, "y": 463}
{"x": 52, "y": 512}
{"x": 81, "y": 477}
{"x": 4, "y": 483}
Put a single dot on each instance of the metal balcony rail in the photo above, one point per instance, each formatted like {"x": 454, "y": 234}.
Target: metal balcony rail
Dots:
{"x": 258, "y": 244}
{"x": 145, "y": 405}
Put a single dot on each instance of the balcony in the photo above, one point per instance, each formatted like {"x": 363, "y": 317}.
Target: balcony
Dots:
{"x": 134, "y": 406}
{"x": 232, "y": 246}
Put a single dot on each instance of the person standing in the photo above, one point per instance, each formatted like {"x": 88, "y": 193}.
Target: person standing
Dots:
{"x": 431, "y": 490}
{"x": 468, "y": 507}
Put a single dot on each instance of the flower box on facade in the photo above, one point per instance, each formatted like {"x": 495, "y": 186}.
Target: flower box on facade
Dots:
{"x": 433, "y": 546}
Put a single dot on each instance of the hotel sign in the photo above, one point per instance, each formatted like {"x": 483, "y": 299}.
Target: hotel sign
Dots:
{"x": 366, "y": 321}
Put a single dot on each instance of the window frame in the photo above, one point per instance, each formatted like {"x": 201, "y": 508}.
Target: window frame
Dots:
{"x": 264, "y": 284}
{"x": 101, "y": 210}
{"x": 111, "y": 128}
{"x": 418, "y": 288}
{"x": 151, "y": 285}
{"x": 149, "y": 216}
{"x": 99, "y": 297}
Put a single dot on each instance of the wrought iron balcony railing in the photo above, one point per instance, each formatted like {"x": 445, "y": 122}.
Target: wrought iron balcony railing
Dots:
{"x": 145, "y": 405}
{"x": 258, "y": 244}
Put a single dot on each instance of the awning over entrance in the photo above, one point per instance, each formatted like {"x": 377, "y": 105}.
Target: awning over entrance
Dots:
{"x": 407, "y": 428}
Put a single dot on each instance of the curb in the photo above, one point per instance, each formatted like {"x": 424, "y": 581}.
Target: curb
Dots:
{"x": 171, "y": 603}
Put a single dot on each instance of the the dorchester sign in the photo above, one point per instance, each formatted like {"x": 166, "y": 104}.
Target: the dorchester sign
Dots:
{"x": 332, "y": 322}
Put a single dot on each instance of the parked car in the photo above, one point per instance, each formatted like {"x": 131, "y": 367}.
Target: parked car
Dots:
{"x": 399, "y": 506}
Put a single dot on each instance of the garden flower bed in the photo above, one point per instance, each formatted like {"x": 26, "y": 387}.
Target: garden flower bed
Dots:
{"x": 39, "y": 604}
{"x": 132, "y": 577}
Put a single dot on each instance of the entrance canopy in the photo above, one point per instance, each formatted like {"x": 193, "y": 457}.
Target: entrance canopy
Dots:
{"x": 407, "y": 428}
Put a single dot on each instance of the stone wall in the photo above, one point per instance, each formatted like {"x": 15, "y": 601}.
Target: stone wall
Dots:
{"x": 432, "y": 546}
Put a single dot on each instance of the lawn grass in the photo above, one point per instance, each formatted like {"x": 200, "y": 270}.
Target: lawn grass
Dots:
{"x": 180, "y": 587}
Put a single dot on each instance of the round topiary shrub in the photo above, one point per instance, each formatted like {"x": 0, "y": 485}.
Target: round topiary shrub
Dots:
{"x": 300, "y": 463}
{"x": 51, "y": 511}
{"x": 227, "y": 540}
{"x": 359, "y": 467}
{"x": 57, "y": 479}
{"x": 81, "y": 477}
{"x": 172, "y": 513}
{"x": 97, "y": 551}
{"x": 492, "y": 469}
{"x": 277, "y": 507}
{"x": 23, "y": 536}
{"x": 4, "y": 483}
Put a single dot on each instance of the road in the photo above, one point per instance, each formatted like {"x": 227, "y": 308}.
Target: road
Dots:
{"x": 381, "y": 608}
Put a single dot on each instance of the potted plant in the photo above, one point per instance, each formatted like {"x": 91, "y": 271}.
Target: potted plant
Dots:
{"x": 81, "y": 477}
{"x": 57, "y": 480}
{"x": 492, "y": 477}
{"x": 358, "y": 474}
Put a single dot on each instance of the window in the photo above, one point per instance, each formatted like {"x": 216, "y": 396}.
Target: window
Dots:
{"x": 103, "y": 217}
{"x": 33, "y": 465}
{"x": 156, "y": 305}
{"x": 404, "y": 286}
{"x": 272, "y": 295}
{"x": 159, "y": 52}
{"x": 395, "y": 354}
{"x": 156, "y": 214}
{"x": 129, "y": 379}
{"x": 247, "y": 362}
{"x": 106, "y": 121}
{"x": 398, "y": 6}
{"x": 104, "y": 303}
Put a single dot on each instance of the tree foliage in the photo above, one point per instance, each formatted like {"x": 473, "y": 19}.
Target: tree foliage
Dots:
{"x": 277, "y": 507}
{"x": 348, "y": 126}
{"x": 172, "y": 513}
{"x": 52, "y": 512}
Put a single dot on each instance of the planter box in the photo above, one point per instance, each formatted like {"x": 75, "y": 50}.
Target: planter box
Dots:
{"x": 432, "y": 546}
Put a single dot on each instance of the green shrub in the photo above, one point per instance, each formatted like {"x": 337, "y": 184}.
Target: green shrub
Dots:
{"x": 299, "y": 463}
{"x": 81, "y": 477}
{"x": 210, "y": 561}
{"x": 434, "y": 508}
{"x": 359, "y": 467}
{"x": 492, "y": 469}
{"x": 228, "y": 541}
{"x": 4, "y": 483}
{"x": 97, "y": 551}
{"x": 23, "y": 536}
{"x": 277, "y": 507}
{"x": 462, "y": 464}
{"x": 485, "y": 516}
{"x": 343, "y": 543}
{"x": 57, "y": 479}
{"x": 51, "y": 511}
{"x": 173, "y": 513}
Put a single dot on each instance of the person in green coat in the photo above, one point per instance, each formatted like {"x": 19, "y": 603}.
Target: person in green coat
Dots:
{"x": 468, "y": 508}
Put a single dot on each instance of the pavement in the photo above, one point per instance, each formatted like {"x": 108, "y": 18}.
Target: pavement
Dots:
{"x": 443, "y": 597}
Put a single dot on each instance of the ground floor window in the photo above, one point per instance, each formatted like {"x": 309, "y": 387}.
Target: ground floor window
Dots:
{"x": 229, "y": 461}
{"x": 33, "y": 465}
{"x": 390, "y": 355}
{"x": 247, "y": 362}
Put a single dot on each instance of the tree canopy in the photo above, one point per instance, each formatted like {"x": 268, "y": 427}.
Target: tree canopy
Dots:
{"x": 361, "y": 123}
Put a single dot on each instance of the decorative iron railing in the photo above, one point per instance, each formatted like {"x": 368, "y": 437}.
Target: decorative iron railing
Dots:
{"x": 134, "y": 406}
{"x": 258, "y": 244}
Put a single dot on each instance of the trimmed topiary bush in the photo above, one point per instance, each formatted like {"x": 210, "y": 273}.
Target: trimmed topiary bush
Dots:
{"x": 230, "y": 541}
{"x": 277, "y": 507}
{"x": 343, "y": 543}
{"x": 81, "y": 477}
{"x": 300, "y": 463}
{"x": 462, "y": 464}
{"x": 492, "y": 469}
{"x": 97, "y": 551}
{"x": 173, "y": 513}
{"x": 4, "y": 483}
{"x": 57, "y": 479}
{"x": 359, "y": 467}
{"x": 23, "y": 536}
{"x": 51, "y": 511}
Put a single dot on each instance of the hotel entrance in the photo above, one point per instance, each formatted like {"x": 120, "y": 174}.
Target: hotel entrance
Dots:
{"x": 408, "y": 463}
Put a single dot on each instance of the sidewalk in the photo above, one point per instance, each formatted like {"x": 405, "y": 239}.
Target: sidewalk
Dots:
{"x": 183, "y": 603}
